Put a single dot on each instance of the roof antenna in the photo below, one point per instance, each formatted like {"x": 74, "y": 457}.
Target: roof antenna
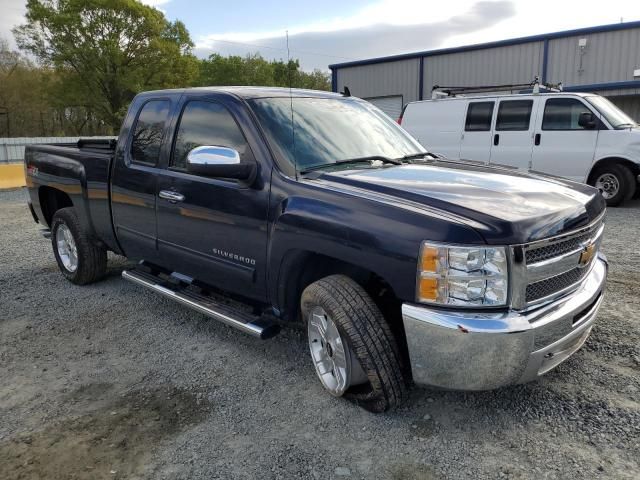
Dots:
{"x": 293, "y": 131}
{"x": 347, "y": 92}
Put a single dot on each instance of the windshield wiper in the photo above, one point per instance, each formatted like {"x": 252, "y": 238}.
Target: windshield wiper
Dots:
{"x": 626, "y": 125}
{"x": 369, "y": 158}
{"x": 416, "y": 156}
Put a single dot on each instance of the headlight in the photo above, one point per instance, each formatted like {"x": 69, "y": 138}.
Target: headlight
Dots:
{"x": 472, "y": 276}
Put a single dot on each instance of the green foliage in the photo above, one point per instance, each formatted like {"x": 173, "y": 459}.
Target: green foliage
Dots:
{"x": 255, "y": 70}
{"x": 94, "y": 56}
{"x": 105, "y": 51}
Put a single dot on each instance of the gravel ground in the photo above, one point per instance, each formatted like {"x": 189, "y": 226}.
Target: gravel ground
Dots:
{"x": 111, "y": 381}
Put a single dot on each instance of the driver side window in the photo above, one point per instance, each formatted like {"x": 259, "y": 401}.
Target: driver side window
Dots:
{"x": 563, "y": 114}
{"x": 206, "y": 123}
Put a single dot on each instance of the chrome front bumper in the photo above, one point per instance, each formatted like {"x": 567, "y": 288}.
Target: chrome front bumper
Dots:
{"x": 480, "y": 351}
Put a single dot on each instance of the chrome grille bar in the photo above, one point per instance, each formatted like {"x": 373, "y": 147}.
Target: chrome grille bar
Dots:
{"x": 549, "y": 268}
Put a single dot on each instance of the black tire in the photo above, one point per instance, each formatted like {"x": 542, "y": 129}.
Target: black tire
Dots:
{"x": 362, "y": 325}
{"x": 625, "y": 179}
{"x": 92, "y": 260}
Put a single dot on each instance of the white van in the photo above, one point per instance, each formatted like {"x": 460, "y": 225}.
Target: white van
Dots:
{"x": 579, "y": 136}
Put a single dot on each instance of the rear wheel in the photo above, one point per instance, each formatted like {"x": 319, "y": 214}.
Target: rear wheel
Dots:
{"x": 353, "y": 350}
{"x": 615, "y": 182}
{"x": 79, "y": 259}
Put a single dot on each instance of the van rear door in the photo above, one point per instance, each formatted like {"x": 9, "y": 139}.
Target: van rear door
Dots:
{"x": 513, "y": 132}
{"x": 475, "y": 142}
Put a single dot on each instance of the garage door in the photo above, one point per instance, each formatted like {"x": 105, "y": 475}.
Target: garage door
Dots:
{"x": 392, "y": 105}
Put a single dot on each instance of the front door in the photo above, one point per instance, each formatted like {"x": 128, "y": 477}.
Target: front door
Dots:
{"x": 212, "y": 229}
{"x": 561, "y": 146}
{"x": 476, "y": 137}
{"x": 513, "y": 134}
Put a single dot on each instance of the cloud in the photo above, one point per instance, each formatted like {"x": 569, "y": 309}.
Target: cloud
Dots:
{"x": 384, "y": 28}
{"x": 12, "y": 15}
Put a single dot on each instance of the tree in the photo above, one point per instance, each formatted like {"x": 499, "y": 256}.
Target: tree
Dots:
{"x": 106, "y": 51}
{"x": 255, "y": 70}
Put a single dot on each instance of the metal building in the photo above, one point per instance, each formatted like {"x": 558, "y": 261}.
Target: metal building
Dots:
{"x": 603, "y": 59}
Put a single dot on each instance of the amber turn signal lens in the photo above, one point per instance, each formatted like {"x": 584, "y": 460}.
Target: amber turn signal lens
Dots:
{"x": 429, "y": 262}
{"x": 428, "y": 288}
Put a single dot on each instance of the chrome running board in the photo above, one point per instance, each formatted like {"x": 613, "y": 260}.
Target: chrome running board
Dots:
{"x": 248, "y": 323}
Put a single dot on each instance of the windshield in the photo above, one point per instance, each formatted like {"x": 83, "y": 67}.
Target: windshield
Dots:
{"x": 616, "y": 117}
{"x": 330, "y": 130}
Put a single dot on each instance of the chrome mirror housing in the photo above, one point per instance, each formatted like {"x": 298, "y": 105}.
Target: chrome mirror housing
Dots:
{"x": 219, "y": 162}
{"x": 213, "y": 155}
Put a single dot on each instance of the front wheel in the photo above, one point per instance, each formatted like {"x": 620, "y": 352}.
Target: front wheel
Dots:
{"x": 352, "y": 347}
{"x": 79, "y": 259}
{"x": 616, "y": 184}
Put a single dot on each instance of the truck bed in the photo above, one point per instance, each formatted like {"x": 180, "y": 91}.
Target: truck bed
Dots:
{"x": 81, "y": 170}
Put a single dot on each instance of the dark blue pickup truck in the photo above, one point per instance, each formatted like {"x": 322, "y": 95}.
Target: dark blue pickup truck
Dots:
{"x": 265, "y": 206}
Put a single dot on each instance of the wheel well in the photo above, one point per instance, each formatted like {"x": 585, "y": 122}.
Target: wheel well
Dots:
{"x": 52, "y": 200}
{"x": 299, "y": 269}
{"x": 633, "y": 167}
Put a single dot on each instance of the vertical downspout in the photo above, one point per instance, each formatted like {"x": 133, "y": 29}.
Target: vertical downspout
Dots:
{"x": 545, "y": 60}
{"x": 334, "y": 80}
{"x": 421, "y": 80}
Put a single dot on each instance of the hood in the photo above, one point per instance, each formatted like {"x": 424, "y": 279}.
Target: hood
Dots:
{"x": 505, "y": 206}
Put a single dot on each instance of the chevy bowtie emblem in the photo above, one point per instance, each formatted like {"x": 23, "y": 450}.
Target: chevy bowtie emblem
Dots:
{"x": 587, "y": 255}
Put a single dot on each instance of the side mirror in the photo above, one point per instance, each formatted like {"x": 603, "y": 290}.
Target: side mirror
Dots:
{"x": 223, "y": 162}
{"x": 587, "y": 120}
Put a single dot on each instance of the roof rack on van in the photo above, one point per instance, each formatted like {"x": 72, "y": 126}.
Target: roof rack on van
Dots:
{"x": 534, "y": 87}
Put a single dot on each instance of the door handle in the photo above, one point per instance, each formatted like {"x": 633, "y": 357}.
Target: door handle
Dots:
{"x": 172, "y": 196}
{"x": 496, "y": 139}
{"x": 536, "y": 139}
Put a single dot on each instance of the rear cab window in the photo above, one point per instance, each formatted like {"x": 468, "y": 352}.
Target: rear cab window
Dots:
{"x": 514, "y": 115}
{"x": 148, "y": 132}
{"x": 479, "y": 115}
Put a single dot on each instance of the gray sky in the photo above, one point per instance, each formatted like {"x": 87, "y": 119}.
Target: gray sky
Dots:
{"x": 334, "y": 31}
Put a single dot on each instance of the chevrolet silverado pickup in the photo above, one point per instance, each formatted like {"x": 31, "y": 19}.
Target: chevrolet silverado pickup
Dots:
{"x": 262, "y": 207}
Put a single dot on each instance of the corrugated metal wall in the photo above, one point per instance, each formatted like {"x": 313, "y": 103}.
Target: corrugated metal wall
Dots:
{"x": 12, "y": 149}
{"x": 393, "y": 78}
{"x": 510, "y": 64}
{"x": 607, "y": 57}
{"x": 629, "y": 104}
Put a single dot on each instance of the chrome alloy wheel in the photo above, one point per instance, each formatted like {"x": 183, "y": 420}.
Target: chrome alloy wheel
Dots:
{"x": 67, "y": 250}
{"x": 608, "y": 184}
{"x": 336, "y": 366}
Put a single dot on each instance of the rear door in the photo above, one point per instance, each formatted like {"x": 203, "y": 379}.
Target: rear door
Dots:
{"x": 476, "y": 138}
{"x": 561, "y": 146}
{"x": 512, "y": 139}
{"x": 134, "y": 176}
{"x": 216, "y": 231}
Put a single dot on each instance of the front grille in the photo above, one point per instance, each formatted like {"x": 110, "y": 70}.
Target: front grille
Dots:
{"x": 556, "y": 249}
{"x": 549, "y": 286}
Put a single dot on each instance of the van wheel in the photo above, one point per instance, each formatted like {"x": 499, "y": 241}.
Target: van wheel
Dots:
{"x": 353, "y": 350}
{"x": 615, "y": 182}
{"x": 79, "y": 260}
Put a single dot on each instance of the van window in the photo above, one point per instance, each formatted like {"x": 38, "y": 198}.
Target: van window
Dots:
{"x": 563, "y": 114}
{"x": 479, "y": 117}
{"x": 514, "y": 115}
{"x": 148, "y": 132}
